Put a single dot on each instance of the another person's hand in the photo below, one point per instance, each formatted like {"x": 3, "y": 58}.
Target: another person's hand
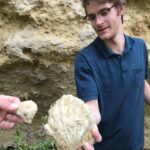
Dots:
{"x": 96, "y": 135}
{"x": 8, "y": 107}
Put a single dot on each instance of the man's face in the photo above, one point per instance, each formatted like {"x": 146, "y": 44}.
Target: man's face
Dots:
{"x": 105, "y": 19}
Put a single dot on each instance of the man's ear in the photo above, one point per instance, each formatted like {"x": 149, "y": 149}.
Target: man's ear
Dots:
{"x": 121, "y": 10}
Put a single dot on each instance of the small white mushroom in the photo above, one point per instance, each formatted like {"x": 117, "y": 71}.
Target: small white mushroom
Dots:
{"x": 27, "y": 110}
{"x": 70, "y": 122}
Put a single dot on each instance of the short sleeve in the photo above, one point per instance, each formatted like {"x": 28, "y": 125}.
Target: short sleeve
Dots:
{"x": 84, "y": 79}
{"x": 146, "y": 60}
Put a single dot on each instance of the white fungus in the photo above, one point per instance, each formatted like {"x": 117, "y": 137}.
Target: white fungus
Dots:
{"x": 27, "y": 110}
{"x": 69, "y": 123}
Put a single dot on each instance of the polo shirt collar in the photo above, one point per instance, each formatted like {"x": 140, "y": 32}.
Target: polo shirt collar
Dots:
{"x": 107, "y": 52}
{"x": 129, "y": 43}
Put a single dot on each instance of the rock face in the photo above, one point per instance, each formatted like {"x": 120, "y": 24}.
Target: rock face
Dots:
{"x": 39, "y": 40}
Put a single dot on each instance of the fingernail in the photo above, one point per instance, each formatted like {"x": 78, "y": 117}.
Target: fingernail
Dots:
{"x": 14, "y": 106}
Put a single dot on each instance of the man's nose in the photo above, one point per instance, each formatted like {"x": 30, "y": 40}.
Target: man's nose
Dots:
{"x": 99, "y": 20}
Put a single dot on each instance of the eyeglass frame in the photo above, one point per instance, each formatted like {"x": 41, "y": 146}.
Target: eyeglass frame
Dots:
{"x": 99, "y": 14}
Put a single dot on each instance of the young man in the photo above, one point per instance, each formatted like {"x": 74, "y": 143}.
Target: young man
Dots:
{"x": 8, "y": 107}
{"x": 110, "y": 76}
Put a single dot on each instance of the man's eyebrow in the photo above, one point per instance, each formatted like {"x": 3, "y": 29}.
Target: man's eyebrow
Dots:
{"x": 91, "y": 14}
{"x": 101, "y": 10}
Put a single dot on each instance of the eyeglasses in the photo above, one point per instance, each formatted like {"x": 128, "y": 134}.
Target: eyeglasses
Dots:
{"x": 102, "y": 13}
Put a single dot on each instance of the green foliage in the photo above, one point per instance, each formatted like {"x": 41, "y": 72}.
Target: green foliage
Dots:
{"x": 26, "y": 138}
{"x": 43, "y": 145}
{"x": 32, "y": 141}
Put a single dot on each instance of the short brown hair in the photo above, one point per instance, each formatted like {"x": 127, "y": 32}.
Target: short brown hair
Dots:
{"x": 116, "y": 2}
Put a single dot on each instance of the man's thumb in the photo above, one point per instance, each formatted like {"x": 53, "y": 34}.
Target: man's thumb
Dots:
{"x": 96, "y": 134}
{"x": 8, "y": 106}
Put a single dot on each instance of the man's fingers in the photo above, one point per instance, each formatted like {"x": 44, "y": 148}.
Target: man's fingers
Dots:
{"x": 11, "y": 99}
{"x": 88, "y": 146}
{"x": 96, "y": 135}
{"x": 2, "y": 115}
{"x": 6, "y": 124}
{"x": 9, "y": 103}
{"x": 14, "y": 118}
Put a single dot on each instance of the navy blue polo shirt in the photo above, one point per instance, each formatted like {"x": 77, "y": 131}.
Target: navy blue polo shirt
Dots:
{"x": 117, "y": 81}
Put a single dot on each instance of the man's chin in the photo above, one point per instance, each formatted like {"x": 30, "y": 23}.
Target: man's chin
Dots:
{"x": 104, "y": 37}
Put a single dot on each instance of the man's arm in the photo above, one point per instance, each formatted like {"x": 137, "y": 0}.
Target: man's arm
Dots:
{"x": 93, "y": 106}
{"x": 147, "y": 92}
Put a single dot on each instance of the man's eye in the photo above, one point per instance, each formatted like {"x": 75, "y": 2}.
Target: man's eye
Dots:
{"x": 104, "y": 12}
{"x": 91, "y": 18}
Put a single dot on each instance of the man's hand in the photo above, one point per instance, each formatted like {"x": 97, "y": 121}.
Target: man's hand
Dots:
{"x": 147, "y": 92}
{"x": 93, "y": 106}
{"x": 96, "y": 135}
{"x": 8, "y": 107}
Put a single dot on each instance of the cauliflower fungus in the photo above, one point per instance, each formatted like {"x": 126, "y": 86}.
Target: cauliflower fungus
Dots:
{"x": 27, "y": 110}
{"x": 69, "y": 123}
